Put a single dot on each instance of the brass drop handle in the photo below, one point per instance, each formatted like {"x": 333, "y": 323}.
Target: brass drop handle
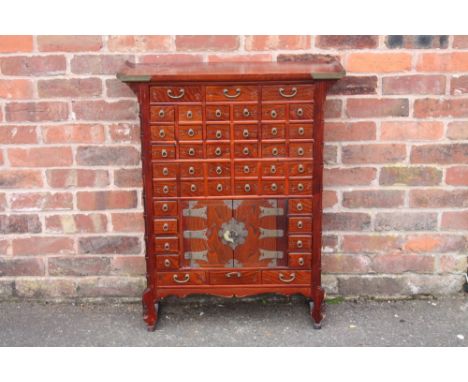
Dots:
{"x": 171, "y": 95}
{"x": 219, "y": 187}
{"x": 189, "y": 114}
{"x": 161, "y": 113}
{"x": 218, "y": 151}
{"x": 235, "y": 95}
{"x": 246, "y": 151}
{"x": 300, "y": 151}
{"x": 275, "y": 151}
{"x": 167, "y": 263}
{"x": 300, "y": 168}
{"x": 300, "y": 131}
{"x": 165, "y": 207}
{"x": 218, "y": 113}
{"x": 165, "y": 171}
{"x": 218, "y": 134}
{"x": 300, "y": 112}
{"x": 233, "y": 274}
{"x": 299, "y": 206}
{"x": 274, "y": 131}
{"x": 299, "y": 244}
{"x": 246, "y": 169}
{"x": 165, "y": 189}
{"x": 185, "y": 280}
{"x": 219, "y": 170}
{"x": 300, "y": 261}
{"x": 273, "y": 114}
{"x": 273, "y": 169}
{"x": 245, "y": 133}
{"x": 165, "y": 227}
{"x": 191, "y": 132}
{"x": 191, "y": 170}
{"x": 300, "y": 224}
{"x": 191, "y": 151}
{"x": 274, "y": 187}
{"x": 247, "y": 188}
{"x": 167, "y": 246}
{"x": 283, "y": 94}
{"x": 162, "y": 133}
{"x": 291, "y": 278}
{"x": 300, "y": 187}
{"x": 164, "y": 153}
{"x": 193, "y": 187}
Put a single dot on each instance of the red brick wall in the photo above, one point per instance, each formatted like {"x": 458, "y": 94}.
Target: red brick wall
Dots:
{"x": 396, "y": 198}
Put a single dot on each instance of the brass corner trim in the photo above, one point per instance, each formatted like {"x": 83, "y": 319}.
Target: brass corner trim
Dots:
{"x": 135, "y": 78}
{"x": 328, "y": 76}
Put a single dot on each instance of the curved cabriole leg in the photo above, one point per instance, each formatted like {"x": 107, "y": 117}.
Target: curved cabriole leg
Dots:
{"x": 150, "y": 310}
{"x": 317, "y": 307}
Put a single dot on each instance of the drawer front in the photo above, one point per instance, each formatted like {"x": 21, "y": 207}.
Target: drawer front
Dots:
{"x": 242, "y": 169}
{"x": 219, "y": 187}
{"x": 218, "y": 150}
{"x": 190, "y": 114}
{"x": 273, "y": 150}
{"x": 217, "y": 113}
{"x": 245, "y": 113}
{"x": 162, "y": 114}
{"x": 167, "y": 262}
{"x": 191, "y": 151}
{"x": 300, "y": 150}
{"x": 301, "y": 243}
{"x": 165, "y": 208}
{"x": 175, "y": 94}
{"x": 166, "y": 244}
{"x": 181, "y": 278}
{"x": 164, "y": 170}
{"x": 162, "y": 133}
{"x": 273, "y": 169}
{"x": 218, "y": 132}
{"x": 190, "y": 133}
{"x": 219, "y": 169}
{"x": 165, "y": 226}
{"x": 301, "y": 131}
{"x": 231, "y": 93}
{"x": 273, "y": 112}
{"x": 191, "y": 170}
{"x": 273, "y": 131}
{"x": 192, "y": 188}
{"x": 234, "y": 277}
{"x": 246, "y": 150}
{"x": 163, "y": 152}
{"x": 300, "y": 187}
{"x": 288, "y": 92}
{"x": 286, "y": 277}
{"x": 245, "y": 132}
{"x": 300, "y": 206}
{"x": 301, "y": 224}
{"x": 299, "y": 260}
{"x": 246, "y": 187}
{"x": 300, "y": 169}
{"x": 163, "y": 189}
{"x": 272, "y": 187}
{"x": 301, "y": 111}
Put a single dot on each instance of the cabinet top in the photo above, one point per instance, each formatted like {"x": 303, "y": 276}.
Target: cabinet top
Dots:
{"x": 233, "y": 71}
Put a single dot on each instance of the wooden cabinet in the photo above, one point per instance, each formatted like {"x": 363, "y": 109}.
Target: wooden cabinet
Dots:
{"x": 232, "y": 163}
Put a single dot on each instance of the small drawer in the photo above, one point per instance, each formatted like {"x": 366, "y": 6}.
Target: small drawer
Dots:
{"x": 300, "y": 187}
{"x": 219, "y": 169}
{"x": 231, "y": 93}
{"x": 301, "y": 111}
{"x": 246, "y": 187}
{"x": 191, "y": 151}
{"x": 162, "y": 133}
{"x": 234, "y": 277}
{"x": 218, "y": 150}
{"x": 167, "y": 262}
{"x": 190, "y": 114}
{"x": 246, "y": 150}
{"x": 165, "y": 226}
{"x": 300, "y": 224}
{"x": 181, "y": 278}
{"x": 164, "y": 171}
{"x": 245, "y": 113}
{"x": 300, "y": 150}
{"x": 165, "y": 208}
{"x": 242, "y": 169}
{"x": 166, "y": 244}
{"x": 163, "y": 188}
{"x": 273, "y": 131}
{"x": 175, "y": 94}
{"x": 191, "y": 170}
{"x": 190, "y": 133}
{"x": 272, "y": 187}
{"x": 245, "y": 132}
{"x": 272, "y": 169}
{"x": 300, "y": 169}
{"x": 300, "y": 243}
{"x": 273, "y": 150}
{"x": 300, "y": 206}
{"x": 273, "y": 112}
{"x": 217, "y": 113}
{"x": 192, "y": 188}
{"x": 301, "y": 131}
{"x": 286, "y": 277}
{"x": 219, "y": 187}
{"x": 218, "y": 132}
{"x": 299, "y": 260}
{"x": 163, "y": 152}
{"x": 162, "y": 114}
{"x": 286, "y": 92}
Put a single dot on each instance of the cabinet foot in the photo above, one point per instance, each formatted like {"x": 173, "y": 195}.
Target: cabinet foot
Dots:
{"x": 150, "y": 310}
{"x": 317, "y": 308}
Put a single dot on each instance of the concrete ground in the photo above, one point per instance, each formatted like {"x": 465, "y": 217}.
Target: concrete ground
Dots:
{"x": 442, "y": 322}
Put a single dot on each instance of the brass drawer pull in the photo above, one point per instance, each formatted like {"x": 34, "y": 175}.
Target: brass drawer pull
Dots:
{"x": 191, "y": 170}
{"x": 232, "y": 274}
{"x": 274, "y": 131}
{"x": 275, "y": 151}
{"x": 283, "y": 94}
{"x": 171, "y": 95}
{"x": 300, "y": 224}
{"x": 219, "y": 187}
{"x": 300, "y": 151}
{"x": 191, "y": 132}
{"x": 299, "y": 244}
{"x": 167, "y": 246}
{"x": 162, "y": 133}
{"x": 246, "y": 151}
{"x": 300, "y": 168}
{"x": 191, "y": 151}
{"x": 218, "y": 151}
{"x": 300, "y": 187}
{"x": 289, "y": 280}
{"x": 300, "y": 131}
{"x": 274, "y": 187}
{"x": 165, "y": 227}
{"x": 165, "y": 189}
{"x": 218, "y": 113}
{"x": 167, "y": 263}
{"x": 164, "y": 153}
{"x": 165, "y": 207}
{"x": 193, "y": 187}
{"x": 299, "y": 206}
{"x": 247, "y": 188}
{"x": 273, "y": 114}
{"x": 246, "y": 113}
{"x": 273, "y": 169}
{"x": 245, "y": 133}
{"x": 218, "y": 134}
{"x": 246, "y": 169}
{"x": 219, "y": 170}
{"x": 301, "y": 261}
{"x": 189, "y": 114}
{"x": 185, "y": 280}
{"x": 165, "y": 171}
{"x": 299, "y": 112}
{"x": 161, "y": 113}
{"x": 237, "y": 93}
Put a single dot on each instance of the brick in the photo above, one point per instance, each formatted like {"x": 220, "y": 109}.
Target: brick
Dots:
{"x": 109, "y": 245}
{"x": 7, "y": 289}
{"x": 457, "y": 130}
{"x": 378, "y": 285}
{"x": 432, "y": 243}
{"x": 128, "y": 177}
{"x": 457, "y": 176}
{"x": 128, "y": 265}
{"x": 41, "y": 201}
{"x": 104, "y": 200}
{"x": 13, "y": 44}
{"x": 201, "y": 43}
{"x": 42, "y": 246}
{"x": 16, "y": 89}
{"x": 17, "y": 135}
{"x": 40, "y": 157}
{"x": 437, "y": 198}
{"x": 139, "y": 43}
{"x": 329, "y": 243}
{"x": 99, "y": 64}
{"x": 405, "y": 221}
{"x": 413, "y": 84}
{"x": 124, "y": 133}
{"x": 258, "y": 57}
{"x": 79, "y": 266}
{"x": 110, "y": 156}
{"x": 19, "y": 224}
{"x": 373, "y": 153}
{"x": 410, "y": 176}
{"x": 4, "y": 247}
{"x": 21, "y": 267}
{"x": 69, "y": 43}
{"x": 378, "y": 62}
{"x": 346, "y": 221}
{"x": 100, "y": 110}
{"x": 383, "y": 107}
{"x": 455, "y": 220}
{"x": 408, "y": 131}
{"x": 357, "y": 176}
{"x": 446, "y": 62}
{"x": 333, "y": 108}
{"x": 399, "y": 263}
{"x": 171, "y": 58}
{"x": 370, "y": 243}
{"x": 33, "y": 66}
{"x": 307, "y": 57}
{"x": 452, "y": 263}
{"x": 36, "y": 111}
{"x": 110, "y": 286}
{"x": 460, "y": 42}
{"x": 20, "y": 179}
{"x": 3, "y": 202}
{"x": 330, "y": 154}
{"x": 459, "y": 85}
{"x": 70, "y": 178}
{"x": 435, "y": 108}
{"x": 78, "y": 133}
{"x": 330, "y": 199}
{"x": 373, "y": 199}
{"x": 116, "y": 88}
{"x": 416, "y": 42}
{"x": 349, "y": 131}
{"x": 352, "y": 85}
{"x": 346, "y": 42}
{"x": 339, "y": 263}
{"x": 45, "y": 288}
{"x": 75, "y": 87}
{"x": 276, "y": 42}
{"x": 80, "y": 223}
{"x": 128, "y": 222}
{"x": 440, "y": 154}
